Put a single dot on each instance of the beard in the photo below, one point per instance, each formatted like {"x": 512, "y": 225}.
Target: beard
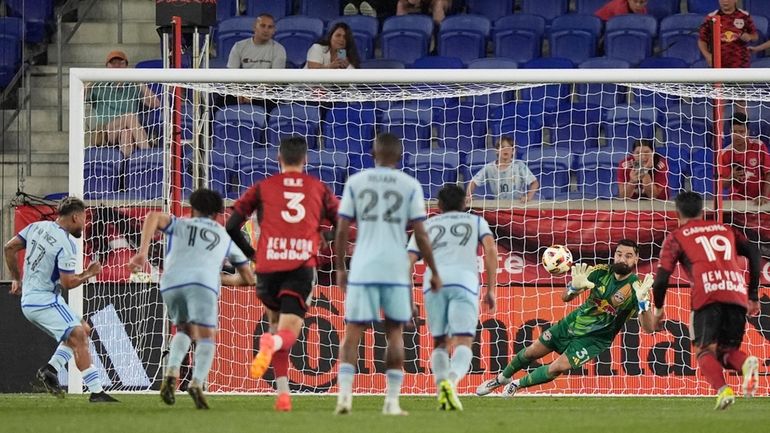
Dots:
{"x": 621, "y": 268}
{"x": 77, "y": 233}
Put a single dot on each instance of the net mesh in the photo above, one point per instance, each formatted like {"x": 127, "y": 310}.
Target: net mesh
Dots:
{"x": 576, "y": 140}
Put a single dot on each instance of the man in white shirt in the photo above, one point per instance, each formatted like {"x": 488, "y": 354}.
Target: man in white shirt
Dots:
{"x": 260, "y": 51}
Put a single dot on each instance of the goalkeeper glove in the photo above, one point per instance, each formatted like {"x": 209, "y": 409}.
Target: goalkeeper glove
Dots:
{"x": 642, "y": 290}
{"x": 580, "y": 273}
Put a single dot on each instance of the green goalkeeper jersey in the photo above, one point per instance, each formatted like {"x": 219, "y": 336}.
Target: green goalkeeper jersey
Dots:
{"x": 609, "y": 304}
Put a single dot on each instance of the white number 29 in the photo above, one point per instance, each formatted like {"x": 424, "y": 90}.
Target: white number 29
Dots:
{"x": 295, "y": 212}
{"x": 716, "y": 244}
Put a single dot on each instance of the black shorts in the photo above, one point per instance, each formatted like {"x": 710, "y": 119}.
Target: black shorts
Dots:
{"x": 723, "y": 324}
{"x": 288, "y": 292}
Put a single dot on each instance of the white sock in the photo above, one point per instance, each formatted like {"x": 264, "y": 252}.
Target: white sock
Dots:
{"x": 439, "y": 364}
{"x": 393, "y": 388}
{"x": 282, "y": 385}
{"x": 460, "y": 364}
{"x": 92, "y": 379}
{"x": 60, "y": 357}
{"x": 180, "y": 344}
{"x": 278, "y": 342}
{"x": 205, "y": 349}
{"x": 345, "y": 377}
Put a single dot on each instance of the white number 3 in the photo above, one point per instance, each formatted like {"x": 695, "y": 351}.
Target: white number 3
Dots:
{"x": 296, "y": 212}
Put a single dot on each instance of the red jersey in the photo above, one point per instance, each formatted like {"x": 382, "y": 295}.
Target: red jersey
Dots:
{"x": 290, "y": 209}
{"x": 659, "y": 176}
{"x": 615, "y": 8}
{"x": 755, "y": 161}
{"x": 735, "y": 53}
{"x": 708, "y": 252}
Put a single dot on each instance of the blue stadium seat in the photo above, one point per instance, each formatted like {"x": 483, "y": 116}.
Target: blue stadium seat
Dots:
{"x": 602, "y": 95}
{"x": 301, "y": 23}
{"x": 239, "y": 129}
{"x": 462, "y": 127}
{"x": 548, "y": 9}
{"x": 663, "y": 63}
{"x": 702, "y": 171}
{"x": 702, "y": 6}
{"x": 577, "y": 128}
{"x": 761, "y": 23}
{"x": 37, "y": 16}
{"x": 293, "y": 119}
{"x": 589, "y": 6}
{"x": 661, "y": 9}
{"x": 350, "y": 130}
{"x": 437, "y": 62}
{"x": 417, "y": 23}
{"x": 546, "y": 100}
{"x": 700, "y": 64}
{"x": 382, "y": 64}
{"x": 574, "y": 36}
{"x": 493, "y": 63}
{"x": 604, "y": 63}
{"x": 296, "y": 45}
{"x": 464, "y": 36}
{"x": 10, "y": 58}
{"x": 277, "y": 8}
{"x": 519, "y": 37}
{"x": 231, "y": 31}
{"x": 433, "y": 170}
{"x": 518, "y": 120}
{"x": 632, "y": 46}
{"x": 757, "y": 7}
{"x": 365, "y": 30}
{"x": 761, "y": 63}
{"x": 678, "y": 161}
{"x": 659, "y": 100}
{"x": 642, "y": 23}
{"x": 323, "y": 9}
{"x": 101, "y": 171}
{"x": 551, "y": 165}
{"x": 625, "y": 124}
{"x": 329, "y": 167}
{"x": 406, "y": 38}
{"x": 12, "y": 26}
{"x": 597, "y": 174}
{"x": 226, "y": 9}
{"x": 492, "y": 9}
{"x": 254, "y": 168}
{"x": 679, "y": 37}
{"x": 144, "y": 173}
{"x": 410, "y": 121}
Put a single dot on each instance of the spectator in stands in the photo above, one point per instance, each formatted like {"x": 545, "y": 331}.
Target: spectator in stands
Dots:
{"x": 259, "y": 51}
{"x": 746, "y": 164}
{"x": 337, "y": 50}
{"x": 737, "y": 29}
{"x": 508, "y": 178}
{"x": 114, "y": 107}
{"x": 621, "y": 7}
{"x": 643, "y": 173}
{"x": 365, "y": 8}
{"x": 438, "y": 8}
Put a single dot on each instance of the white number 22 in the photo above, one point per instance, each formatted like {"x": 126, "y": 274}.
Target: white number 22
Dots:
{"x": 296, "y": 212}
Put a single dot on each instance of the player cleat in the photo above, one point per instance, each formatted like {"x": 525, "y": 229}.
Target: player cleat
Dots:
{"x": 50, "y": 380}
{"x": 442, "y": 403}
{"x": 344, "y": 405}
{"x": 750, "y": 371}
{"x": 725, "y": 397}
{"x": 392, "y": 408}
{"x": 450, "y": 396}
{"x": 510, "y": 389}
{"x": 167, "y": 390}
{"x": 102, "y": 397}
{"x": 491, "y": 385}
{"x": 262, "y": 361}
{"x": 283, "y": 402}
{"x": 197, "y": 395}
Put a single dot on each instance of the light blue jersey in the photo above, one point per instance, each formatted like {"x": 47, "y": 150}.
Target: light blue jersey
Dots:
{"x": 50, "y": 251}
{"x": 382, "y": 201}
{"x": 455, "y": 238}
{"x": 196, "y": 249}
{"x": 510, "y": 183}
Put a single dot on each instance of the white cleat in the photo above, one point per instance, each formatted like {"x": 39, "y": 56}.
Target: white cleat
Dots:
{"x": 492, "y": 384}
{"x": 392, "y": 408}
{"x": 344, "y": 405}
{"x": 750, "y": 371}
{"x": 510, "y": 389}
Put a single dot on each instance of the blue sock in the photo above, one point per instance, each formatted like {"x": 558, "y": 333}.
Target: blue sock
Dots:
{"x": 393, "y": 387}
{"x": 205, "y": 349}
{"x": 460, "y": 363}
{"x": 92, "y": 379}
{"x": 180, "y": 344}
{"x": 61, "y": 357}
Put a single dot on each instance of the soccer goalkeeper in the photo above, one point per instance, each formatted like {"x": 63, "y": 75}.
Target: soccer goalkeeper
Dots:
{"x": 615, "y": 295}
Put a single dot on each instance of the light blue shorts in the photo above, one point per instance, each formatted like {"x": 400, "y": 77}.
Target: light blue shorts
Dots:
{"x": 363, "y": 303}
{"x": 452, "y": 311}
{"x": 192, "y": 304}
{"x": 56, "y": 319}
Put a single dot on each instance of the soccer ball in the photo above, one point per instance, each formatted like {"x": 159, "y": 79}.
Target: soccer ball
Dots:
{"x": 557, "y": 260}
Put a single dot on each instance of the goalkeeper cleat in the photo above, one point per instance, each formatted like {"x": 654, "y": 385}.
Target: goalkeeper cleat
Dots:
{"x": 283, "y": 402}
{"x": 452, "y": 402}
{"x": 492, "y": 384}
{"x": 49, "y": 380}
{"x": 392, "y": 408}
{"x": 102, "y": 397}
{"x": 750, "y": 371}
{"x": 197, "y": 395}
{"x": 725, "y": 397}
{"x": 167, "y": 390}
{"x": 510, "y": 389}
{"x": 262, "y": 361}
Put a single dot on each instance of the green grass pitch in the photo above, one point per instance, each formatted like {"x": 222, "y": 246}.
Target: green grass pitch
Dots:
{"x": 313, "y": 414}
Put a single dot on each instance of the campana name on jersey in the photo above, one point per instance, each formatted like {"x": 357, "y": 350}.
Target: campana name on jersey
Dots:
{"x": 289, "y": 248}
{"x": 723, "y": 280}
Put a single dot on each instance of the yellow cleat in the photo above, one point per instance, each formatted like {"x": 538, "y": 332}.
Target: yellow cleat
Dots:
{"x": 725, "y": 397}
{"x": 262, "y": 361}
{"x": 452, "y": 402}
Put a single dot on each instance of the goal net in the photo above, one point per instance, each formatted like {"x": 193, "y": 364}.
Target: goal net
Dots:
{"x": 141, "y": 140}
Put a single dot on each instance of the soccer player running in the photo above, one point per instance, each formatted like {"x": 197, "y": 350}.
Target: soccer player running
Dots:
{"x": 291, "y": 208}
{"x": 197, "y": 248}
{"x": 453, "y": 312}
{"x": 383, "y": 201}
{"x": 720, "y": 297}
{"x": 615, "y": 295}
{"x": 50, "y": 259}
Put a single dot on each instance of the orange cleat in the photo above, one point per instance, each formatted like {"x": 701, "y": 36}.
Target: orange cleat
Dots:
{"x": 283, "y": 402}
{"x": 262, "y": 361}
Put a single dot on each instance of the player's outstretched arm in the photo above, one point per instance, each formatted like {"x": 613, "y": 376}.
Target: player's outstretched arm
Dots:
{"x": 659, "y": 287}
{"x": 10, "y": 250}
{"x": 70, "y": 281}
{"x": 579, "y": 282}
{"x": 642, "y": 291}
{"x": 340, "y": 251}
{"x": 153, "y": 222}
{"x": 423, "y": 244}
{"x": 243, "y": 277}
{"x": 490, "y": 267}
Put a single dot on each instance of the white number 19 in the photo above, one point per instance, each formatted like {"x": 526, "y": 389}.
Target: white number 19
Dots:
{"x": 716, "y": 244}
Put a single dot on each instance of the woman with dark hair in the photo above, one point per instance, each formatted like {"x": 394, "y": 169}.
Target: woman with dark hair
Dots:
{"x": 643, "y": 174}
{"x": 335, "y": 51}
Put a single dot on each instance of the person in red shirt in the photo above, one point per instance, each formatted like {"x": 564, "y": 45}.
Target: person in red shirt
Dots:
{"x": 643, "y": 174}
{"x": 720, "y": 295}
{"x": 746, "y": 165}
{"x": 737, "y": 29}
{"x": 621, "y": 7}
{"x": 291, "y": 209}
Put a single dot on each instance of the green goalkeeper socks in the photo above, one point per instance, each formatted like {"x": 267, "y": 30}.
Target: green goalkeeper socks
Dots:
{"x": 540, "y": 375}
{"x": 518, "y": 362}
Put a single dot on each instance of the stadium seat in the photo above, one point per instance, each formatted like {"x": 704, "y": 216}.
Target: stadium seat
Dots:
{"x": 406, "y": 38}
{"x": 700, "y": 64}
{"x": 492, "y": 9}
{"x": 589, "y": 6}
{"x": 642, "y": 23}
{"x": 630, "y": 45}
{"x": 519, "y": 37}
{"x": 329, "y": 167}
{"x": 574, "y": 37}
{"x": 597, "y": 174}
{"x": 437, "y": 62}
{"x": 604, "y": 63}
{"x": 702, "y": 6}
{"x": 323, "y": 9}
{"x": 286, "y": 120}
{"x": 493, "y": 63}
{"x": 144, "y": 173}
{"x": 37, "y": 16}
{"x": 239, "y": 129}
{"x": 231, "y": 31}
{"x": 253, "y": 169}
{"x": 462, "y": 127}
{"x": 350, "y": 130}
{"x": 296, "y": 45}
{"x": 661, "y": 9}
{"x": 757, "y": 7}
{"x": 761, "y": 63}
{"x": 678, "y": 160}
{"x": 702, "y": 171}
{"x": 12, "y": 26}
{"x": 602, "y": 95}
{"x": 648, "y": 98}
{"x": 683, "y": 131}
{"x": 551, "y": 166}
{"x": 277, "y": 8}
{"x": 365, "y": 30}
{"x": 517, "y": 120}
{"x": 301, "y": 23}
{"x": 548, "y": 98}
{"x": 433, "y": 170}
{"x": 577, "y": 128}
{"x": 625, "y": 124}
{"x": 679, "y": 37}
{"x": 548, "y": 9}
{"x": 226, "y": 9}
{"x": 410, "y": 121}
{"x": 761, "y": 23}
{"x": 464, "y": 36}
{"x": 382, "y": 64}
{"x": 663, "y": 63}
{"x": 101, "y": 171}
